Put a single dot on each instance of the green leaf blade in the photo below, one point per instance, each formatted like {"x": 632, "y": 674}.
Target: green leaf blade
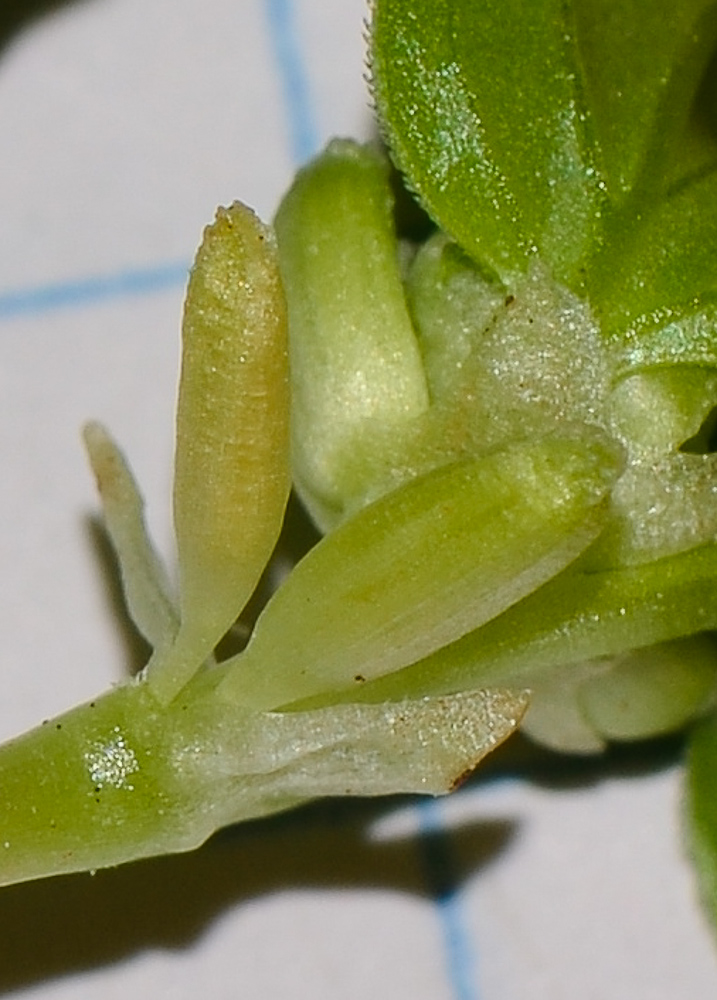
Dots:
{"x": 482, "y": 112}
{"x": 658, "y": 269}
{"x": 641, "y": 69}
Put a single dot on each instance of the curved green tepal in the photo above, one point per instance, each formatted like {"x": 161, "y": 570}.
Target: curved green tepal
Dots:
{"x": 357, "y": 377}
{"x": 424, "y": 565}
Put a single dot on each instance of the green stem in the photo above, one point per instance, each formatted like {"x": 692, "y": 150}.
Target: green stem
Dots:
{"x": 123, "y": 777}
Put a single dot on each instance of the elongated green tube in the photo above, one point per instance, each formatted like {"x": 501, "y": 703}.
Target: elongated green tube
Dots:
{"x": 124, "y": 777}
{"x": 424, "y": 565}
{"x": 232, "y": 473}
{"x": 87, "y": 790}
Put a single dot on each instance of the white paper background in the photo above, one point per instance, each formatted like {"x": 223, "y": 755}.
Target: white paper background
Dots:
{"x": 124, "y": 123}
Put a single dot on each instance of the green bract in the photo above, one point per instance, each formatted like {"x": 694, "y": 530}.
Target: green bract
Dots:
{"x": 505, "y": 431}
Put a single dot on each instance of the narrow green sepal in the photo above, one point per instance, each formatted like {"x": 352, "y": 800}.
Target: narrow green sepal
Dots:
{"x": 145, "y": 582}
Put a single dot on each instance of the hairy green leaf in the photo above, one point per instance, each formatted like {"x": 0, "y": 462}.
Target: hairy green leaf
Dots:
{"x": 482, "y": 111}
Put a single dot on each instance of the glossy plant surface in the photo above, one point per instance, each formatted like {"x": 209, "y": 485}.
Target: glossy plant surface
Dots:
{"x": 504, "y": 430}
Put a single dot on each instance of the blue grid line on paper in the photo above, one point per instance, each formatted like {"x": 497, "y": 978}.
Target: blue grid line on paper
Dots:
{"x": 300, "y": 110}
{"x": 129, "y": 283}
{"x": 442, "y": 878}
{"x": 133, "y": 282}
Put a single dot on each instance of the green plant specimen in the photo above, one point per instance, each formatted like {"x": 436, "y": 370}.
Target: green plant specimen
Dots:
{"x": 504, "y": 431}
